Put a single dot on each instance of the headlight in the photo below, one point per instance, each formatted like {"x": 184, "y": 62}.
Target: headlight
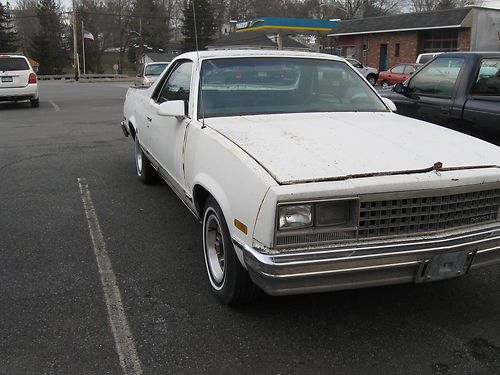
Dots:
{"x": 335, "y": 213}
{"x": 295, "y": 217}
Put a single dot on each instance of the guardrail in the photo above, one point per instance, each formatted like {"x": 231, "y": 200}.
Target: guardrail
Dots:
{"x": 63, "y": 77}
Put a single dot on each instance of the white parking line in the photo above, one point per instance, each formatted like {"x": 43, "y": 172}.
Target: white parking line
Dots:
{"x": 125, "y": 346}
{"x": 56, "y": 107}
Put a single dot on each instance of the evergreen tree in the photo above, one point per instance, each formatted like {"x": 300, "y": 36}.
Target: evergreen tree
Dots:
{"x": 48, "y": 45}
{"x": 205, "y": 24}
{"x": 150, "y": 25}
{"x": 8, "y": 34}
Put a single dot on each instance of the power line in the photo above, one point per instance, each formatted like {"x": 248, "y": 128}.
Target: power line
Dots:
{"x": 106, "y": 14}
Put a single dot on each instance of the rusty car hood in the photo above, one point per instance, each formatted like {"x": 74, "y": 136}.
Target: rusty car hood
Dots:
{"x": 297, "y": 148}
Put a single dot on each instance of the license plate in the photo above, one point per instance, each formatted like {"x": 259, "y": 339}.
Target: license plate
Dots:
{"x": 6, "y": 79}
{"x": 445, "y": 266}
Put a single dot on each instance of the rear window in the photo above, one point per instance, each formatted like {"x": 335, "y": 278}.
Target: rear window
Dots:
{"x": 155, "y": 69}
{"x": 13, "y": 63}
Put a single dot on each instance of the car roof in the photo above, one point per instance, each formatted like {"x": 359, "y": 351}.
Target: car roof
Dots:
{"x": 411, "y": 64}
{"x": 157, "y": 62}
{"x": 12, "y": 55}
{"x": 202, "y": 55}
{"x": 475, "y": 53}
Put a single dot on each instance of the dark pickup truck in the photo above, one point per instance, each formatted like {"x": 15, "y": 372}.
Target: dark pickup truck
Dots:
{"x": 459, "y": 90}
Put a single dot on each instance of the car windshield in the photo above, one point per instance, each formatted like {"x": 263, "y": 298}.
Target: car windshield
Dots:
{"x": 12, "y": 64}
{"x": 266, "y": 85}
{"x": 155, "y": 69}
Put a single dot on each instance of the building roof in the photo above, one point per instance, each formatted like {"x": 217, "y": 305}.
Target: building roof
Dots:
{"x": 441, "y": 19}
{"x": 290, "y": 24}
{"x": 254, "y": 39}
{"x": 161, "y": 57}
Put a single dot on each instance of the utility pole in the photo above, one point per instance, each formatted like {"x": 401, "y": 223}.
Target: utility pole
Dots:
{"x": 75, "y": 49}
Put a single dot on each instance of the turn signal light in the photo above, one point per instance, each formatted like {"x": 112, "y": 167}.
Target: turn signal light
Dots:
{"x": 32, "y": 78}
{"x": 238, "y": 224}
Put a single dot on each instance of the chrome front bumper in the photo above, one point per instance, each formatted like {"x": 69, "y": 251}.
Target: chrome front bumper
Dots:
{"x": 125, "y": 129}
{"x": 318, "y": 270}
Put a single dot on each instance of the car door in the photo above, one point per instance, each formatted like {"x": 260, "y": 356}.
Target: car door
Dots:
{"x": 429, "y": 92}
{"x": 407, "y": 73}
{"x": 481, "y": 113}
{"x": 433, "y": 88}
{"x": 395, "y": 74}
{"x": 167, "y": 133}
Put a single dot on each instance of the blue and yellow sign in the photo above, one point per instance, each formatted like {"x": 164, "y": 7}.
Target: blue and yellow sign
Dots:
{"x": 289, "y": 24}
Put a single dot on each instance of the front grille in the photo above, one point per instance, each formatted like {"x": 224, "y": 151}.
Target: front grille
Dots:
{"x": 427, "y": 214}
{"x": 305, "y": 238}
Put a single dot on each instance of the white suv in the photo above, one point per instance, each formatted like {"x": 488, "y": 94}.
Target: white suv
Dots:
{"x": 17, "y": 80}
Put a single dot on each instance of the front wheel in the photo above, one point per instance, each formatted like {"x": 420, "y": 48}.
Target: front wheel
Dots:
{"x": 372, "y": 79}
{"x": 229, "y": 281}
{"x": 145, "y": 171}
{"x": 385, "y": 83}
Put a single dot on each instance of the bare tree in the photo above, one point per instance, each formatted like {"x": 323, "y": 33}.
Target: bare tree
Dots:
{"x": 430, "y": 5}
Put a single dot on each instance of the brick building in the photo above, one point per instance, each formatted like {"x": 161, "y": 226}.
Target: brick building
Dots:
{"x": 382, "y": 42}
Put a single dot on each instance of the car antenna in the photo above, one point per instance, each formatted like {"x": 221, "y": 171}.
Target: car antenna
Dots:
{"x": 198, "y": 58}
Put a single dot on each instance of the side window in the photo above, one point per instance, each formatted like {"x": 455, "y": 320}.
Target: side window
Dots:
{"x": 176, "y": 87}
{"x": 438, "y": 78}
{"x": 488, "y": 78}
{"x": 398, "y": 69}
{"x": 409, "y": 69}
{"x": 356, "y": 63}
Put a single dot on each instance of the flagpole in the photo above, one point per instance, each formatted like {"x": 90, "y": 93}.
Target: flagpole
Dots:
{"x": 75, "y": 48}
{"x": 83, "y": 47}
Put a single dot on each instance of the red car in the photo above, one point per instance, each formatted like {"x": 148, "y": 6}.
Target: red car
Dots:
{"x": 397, "y": 74}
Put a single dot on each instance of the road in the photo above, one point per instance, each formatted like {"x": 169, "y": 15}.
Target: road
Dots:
{"x": 54, "y": 310}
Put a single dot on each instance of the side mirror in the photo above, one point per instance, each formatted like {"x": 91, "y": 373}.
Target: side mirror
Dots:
{"x": 172, "y": 108}
{"x": 389, "y": 103}
{"x": 399, "y": 88}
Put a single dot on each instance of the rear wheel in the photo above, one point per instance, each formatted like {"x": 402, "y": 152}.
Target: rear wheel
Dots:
{"x": 229, "y": 281}
{"x": 372, "y": 79}
{"x": 145, "y": 171}
{"x": 35, "y": 103}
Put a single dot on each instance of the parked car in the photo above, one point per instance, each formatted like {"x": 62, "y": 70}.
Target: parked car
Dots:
{"x": 426, "y": 57}
{"x": 370, "y": 74}
{"x": 18, "y": 81}
{"x": 397, "y": 74}
{"x": 148, "y": 73}
{"x": 459, "y": 90}
{"x": 309, "y": 182}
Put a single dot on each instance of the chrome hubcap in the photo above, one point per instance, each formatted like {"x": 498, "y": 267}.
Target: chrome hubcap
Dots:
{"x": 214, "y": 247}
{"x": 138, "y": 157}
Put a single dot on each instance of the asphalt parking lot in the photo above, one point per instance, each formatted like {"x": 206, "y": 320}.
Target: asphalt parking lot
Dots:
{"x": 54, "y": 312}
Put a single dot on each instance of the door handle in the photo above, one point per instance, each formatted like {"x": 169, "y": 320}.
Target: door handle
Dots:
{"x": 444, "y": 112}
{"x": 149, "y": 119}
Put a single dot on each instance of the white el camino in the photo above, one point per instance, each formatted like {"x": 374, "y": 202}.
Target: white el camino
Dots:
{"x": 306, "y": 181}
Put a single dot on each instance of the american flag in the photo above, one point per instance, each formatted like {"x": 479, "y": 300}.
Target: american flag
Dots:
{"x": 87, "y": 35}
